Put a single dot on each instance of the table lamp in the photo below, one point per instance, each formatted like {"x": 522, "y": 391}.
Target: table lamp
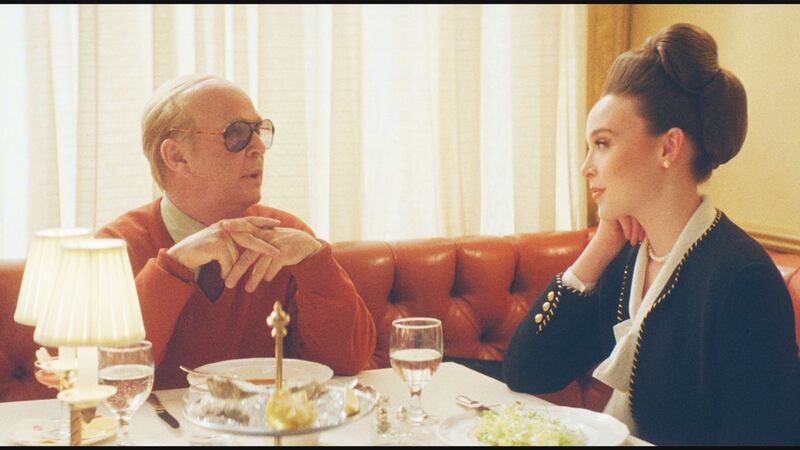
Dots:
{"x": 39, "y": 277}
{"x": 93, "y": 302}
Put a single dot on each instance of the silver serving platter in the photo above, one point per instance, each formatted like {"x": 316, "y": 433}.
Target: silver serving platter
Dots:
{"x": 330, "y": 412}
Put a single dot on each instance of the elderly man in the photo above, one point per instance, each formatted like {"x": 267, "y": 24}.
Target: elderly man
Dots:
{"x": 205, "y": 143}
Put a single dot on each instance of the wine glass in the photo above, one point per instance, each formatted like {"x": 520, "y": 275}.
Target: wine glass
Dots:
{"x": 130, "y": 369}
{"x": 57, "y": 374}
{"x": 415, "y": 351}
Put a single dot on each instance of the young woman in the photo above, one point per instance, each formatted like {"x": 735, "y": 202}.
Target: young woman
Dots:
{"x": 682, "y": 313}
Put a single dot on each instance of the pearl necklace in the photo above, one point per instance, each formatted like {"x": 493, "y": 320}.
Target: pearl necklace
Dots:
{"x": 652, "y": 255}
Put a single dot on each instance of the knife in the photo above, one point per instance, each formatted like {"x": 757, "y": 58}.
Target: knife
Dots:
{"x": 162, "y": 412}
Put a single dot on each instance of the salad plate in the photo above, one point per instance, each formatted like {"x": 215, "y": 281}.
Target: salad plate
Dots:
{"x": 553, "y": 425}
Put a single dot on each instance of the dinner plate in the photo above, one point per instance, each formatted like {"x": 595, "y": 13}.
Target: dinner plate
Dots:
{"x": 41, "y": 432}
{"x": 296, "y": 372}
{"x": 596, "y": 429}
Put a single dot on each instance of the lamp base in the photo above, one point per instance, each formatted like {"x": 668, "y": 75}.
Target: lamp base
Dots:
{"x": 81, "y": 400}
{"x": 86, "y": 398}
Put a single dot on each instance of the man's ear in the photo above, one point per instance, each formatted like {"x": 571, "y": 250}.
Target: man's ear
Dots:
{"x": 673, "y": 145}
{"x": 172, "y": 155}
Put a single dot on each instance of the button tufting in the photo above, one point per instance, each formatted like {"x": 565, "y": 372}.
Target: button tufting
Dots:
{"x": 20, "y": 373}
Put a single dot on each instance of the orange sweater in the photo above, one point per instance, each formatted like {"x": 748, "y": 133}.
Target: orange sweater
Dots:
{"x": 329, "y": 322}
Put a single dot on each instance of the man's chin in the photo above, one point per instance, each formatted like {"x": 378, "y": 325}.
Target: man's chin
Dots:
{"x": 253, "y": 198}
{"x": 244, "y": 199}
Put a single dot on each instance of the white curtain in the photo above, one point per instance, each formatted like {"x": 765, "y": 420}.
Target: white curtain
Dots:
{"x": 392, "y": 122}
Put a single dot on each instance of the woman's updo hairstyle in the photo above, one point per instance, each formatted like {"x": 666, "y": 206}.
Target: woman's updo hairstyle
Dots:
{"x": 676, "y": 78}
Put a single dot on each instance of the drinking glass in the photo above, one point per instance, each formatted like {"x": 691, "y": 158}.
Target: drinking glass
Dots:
{"x": 415, "y": 351}
{"x": 130, "y": 369}
{"x": 60, "y": 375}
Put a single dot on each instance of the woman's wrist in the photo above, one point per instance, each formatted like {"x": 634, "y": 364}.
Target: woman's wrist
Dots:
{"x": 573, "y": 281}
{"x": 593, "y": 261}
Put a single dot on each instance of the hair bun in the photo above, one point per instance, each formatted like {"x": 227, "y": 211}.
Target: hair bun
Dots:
{"x": 688, "y": 55}
{"x": 722, "y": 105}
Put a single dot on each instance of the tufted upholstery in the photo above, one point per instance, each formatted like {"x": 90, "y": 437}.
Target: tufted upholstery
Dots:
{"x": 479, "y": 286}
{"x": 17, "y": 347}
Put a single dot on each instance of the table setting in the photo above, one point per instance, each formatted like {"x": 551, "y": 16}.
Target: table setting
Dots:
{"x": 147, "y": 428}
{"x": 460, "y": 407}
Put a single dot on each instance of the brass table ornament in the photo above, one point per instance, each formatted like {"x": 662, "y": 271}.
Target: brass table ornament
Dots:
{"x": 278, "y": 321}
{"x": 78, "y": 417}
{"x": 237, "y": 406}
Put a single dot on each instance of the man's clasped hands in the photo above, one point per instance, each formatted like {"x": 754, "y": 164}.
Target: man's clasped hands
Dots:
{"x": 237, "y": 244}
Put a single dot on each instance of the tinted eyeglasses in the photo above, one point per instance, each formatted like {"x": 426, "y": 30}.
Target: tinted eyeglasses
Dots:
{"x": 238, "y": 134}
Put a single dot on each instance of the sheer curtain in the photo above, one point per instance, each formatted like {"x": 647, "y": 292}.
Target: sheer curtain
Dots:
{"x": 393, "y": 122}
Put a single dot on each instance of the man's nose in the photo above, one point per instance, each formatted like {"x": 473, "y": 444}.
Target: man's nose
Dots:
{"x": 256, "y": 146}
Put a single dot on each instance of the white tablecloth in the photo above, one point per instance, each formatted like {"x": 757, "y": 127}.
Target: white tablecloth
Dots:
{"x": 438, "y": 398}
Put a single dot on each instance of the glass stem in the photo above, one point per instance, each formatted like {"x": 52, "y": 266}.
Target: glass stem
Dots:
{"x": 63, "y": 426}
{"x": 123, "y": 438}
{"x": 415, "y": 412}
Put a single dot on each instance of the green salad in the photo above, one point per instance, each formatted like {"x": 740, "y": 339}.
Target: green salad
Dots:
{"x": 512, "y": 425}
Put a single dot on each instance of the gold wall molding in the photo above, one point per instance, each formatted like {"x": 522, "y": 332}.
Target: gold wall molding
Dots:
{"x": 773, "y": 239}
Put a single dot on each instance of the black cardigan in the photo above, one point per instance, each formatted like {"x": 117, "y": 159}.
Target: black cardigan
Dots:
{"x": 716, "y": 361}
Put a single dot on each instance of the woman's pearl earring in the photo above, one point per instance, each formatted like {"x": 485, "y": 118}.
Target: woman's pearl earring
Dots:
{"x": 666, "y": 164}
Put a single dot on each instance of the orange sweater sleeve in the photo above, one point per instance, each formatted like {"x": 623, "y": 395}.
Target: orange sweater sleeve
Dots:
{"x": 334, "y": 325}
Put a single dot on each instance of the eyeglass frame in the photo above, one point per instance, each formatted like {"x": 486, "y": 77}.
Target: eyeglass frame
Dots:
{"x": 255, "y": 127}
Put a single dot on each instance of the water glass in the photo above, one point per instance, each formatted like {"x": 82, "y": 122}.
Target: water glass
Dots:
{"x": 130, "y": 369}
{"x": 415, "y": 352}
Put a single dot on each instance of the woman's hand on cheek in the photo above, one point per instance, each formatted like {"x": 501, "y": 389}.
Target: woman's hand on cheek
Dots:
{"x": 612, "y": 234}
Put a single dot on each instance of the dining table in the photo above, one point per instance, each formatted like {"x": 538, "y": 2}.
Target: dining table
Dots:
{"x": 451, "y": 380}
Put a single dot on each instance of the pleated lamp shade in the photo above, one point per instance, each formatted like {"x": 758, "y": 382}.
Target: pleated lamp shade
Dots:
{"x": 94, "y": 300}
{"x": 40, "y": 271}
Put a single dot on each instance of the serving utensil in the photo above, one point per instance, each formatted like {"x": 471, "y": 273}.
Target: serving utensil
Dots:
{"x": 205, "y": 374}
{"x": 469, "y": 403}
